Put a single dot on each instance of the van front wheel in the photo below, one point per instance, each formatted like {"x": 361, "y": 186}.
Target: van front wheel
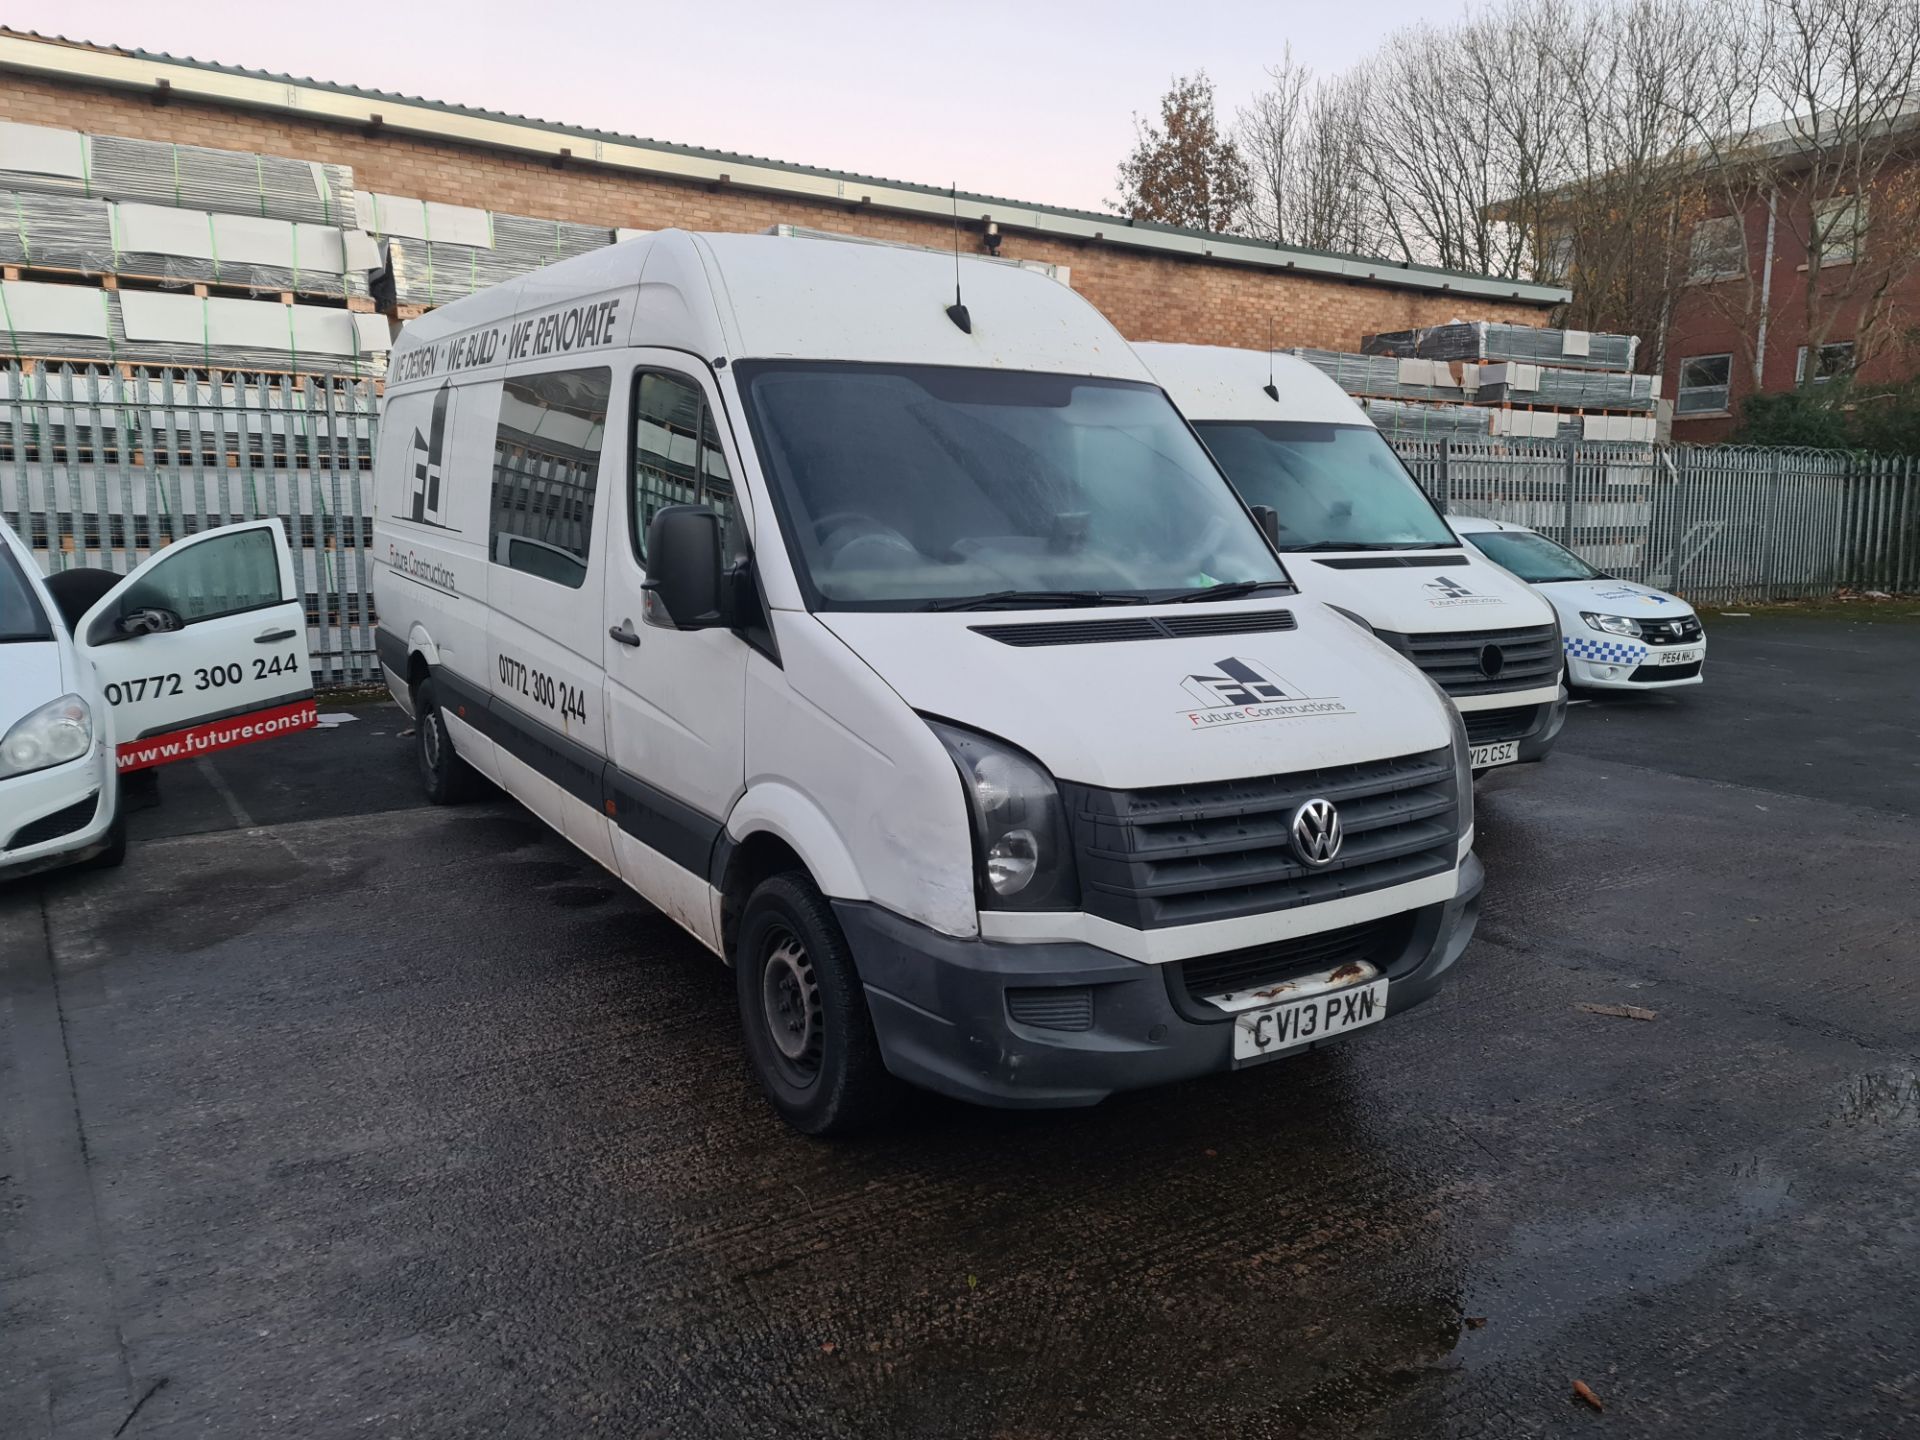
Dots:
{"x": 803, "y": 1015}
{"x": 447, "y": 778}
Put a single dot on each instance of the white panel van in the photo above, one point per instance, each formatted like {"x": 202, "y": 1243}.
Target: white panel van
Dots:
{"x": 1358, "y": 533}
{"x": 910, "y": 652}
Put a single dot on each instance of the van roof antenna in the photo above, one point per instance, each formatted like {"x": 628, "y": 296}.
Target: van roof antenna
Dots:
{"x": 957, "y": 312}
{"x": 1273, "y": 391}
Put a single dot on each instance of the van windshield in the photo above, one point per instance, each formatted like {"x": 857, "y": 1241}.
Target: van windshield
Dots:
{"x": 1534, "y": 558}
{"x": 1334, "y": 487}
{"x": 21, "y": 617}
{"x": 906, "y": 487}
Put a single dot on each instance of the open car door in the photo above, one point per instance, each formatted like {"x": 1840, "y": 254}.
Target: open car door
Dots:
{"x": 203, "y": 647}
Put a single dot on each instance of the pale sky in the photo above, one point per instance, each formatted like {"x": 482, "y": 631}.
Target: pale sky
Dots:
{"x": 1028, "y": 100}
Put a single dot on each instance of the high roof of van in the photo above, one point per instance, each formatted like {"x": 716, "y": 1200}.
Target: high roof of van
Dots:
{"x": 742, "y": 297}
{"x": 1217, "y": 382}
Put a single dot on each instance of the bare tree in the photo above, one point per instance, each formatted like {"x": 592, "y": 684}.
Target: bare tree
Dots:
{"x": 1183, "y": 171}
{"x": 1302, "y": 138}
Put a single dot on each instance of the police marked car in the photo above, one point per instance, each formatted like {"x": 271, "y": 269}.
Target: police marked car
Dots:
{"x": 1618, "y": 635}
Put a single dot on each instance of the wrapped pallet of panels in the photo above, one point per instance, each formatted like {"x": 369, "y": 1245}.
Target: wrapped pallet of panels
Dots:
{"x": 191, "y": 177}
{"x": 182, "y": 247}
{"x": 215, "y": 333}
{"x": 436, "y": 253}
{"x": 1385, "y": 375}
{"x": 82, "y": 323}
{"x": 66, "y": 322}
{"x": 1509, "y": 382}
{"x": 1410, "y": 420}
{"x": 1495, "y": 340}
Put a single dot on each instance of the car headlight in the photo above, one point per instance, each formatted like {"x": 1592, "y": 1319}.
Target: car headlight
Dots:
{"x": 52, "y": 735}
{"x": 1613, "y": 624}
{"x": 1022, "y": 858}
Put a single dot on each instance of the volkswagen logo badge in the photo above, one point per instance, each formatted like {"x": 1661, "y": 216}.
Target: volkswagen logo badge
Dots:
{"x": 1492, "y": 660}
{"x": 1316, "y": 833}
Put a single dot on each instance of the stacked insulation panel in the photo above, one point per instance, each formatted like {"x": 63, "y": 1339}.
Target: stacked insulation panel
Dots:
{"x": 1411, "y": 420}
{"x": 186, "y": 177}
{"x": 1510, "y": 382}
{"x": 1494, "y": 340}
{"x": 73, "y": 322}
{"x": 435, "y": 252}
{"x": 1386, "y": 376}
{"x": 183, "y": 247}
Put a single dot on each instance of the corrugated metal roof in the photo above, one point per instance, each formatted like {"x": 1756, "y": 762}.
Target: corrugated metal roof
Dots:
{"x": 90, "y": 62}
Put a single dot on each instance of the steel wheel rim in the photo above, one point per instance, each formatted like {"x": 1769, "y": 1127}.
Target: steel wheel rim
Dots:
{"x": 430, "y": 739}
{"x": 790, "y": 1007}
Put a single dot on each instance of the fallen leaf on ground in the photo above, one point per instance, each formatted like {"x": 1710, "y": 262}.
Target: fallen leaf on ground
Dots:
{"x": 1619, "y": 1012}
{"x": 1580, "y": 1389}
{"x": 1476, "y": 1322}
{"x": 828, "y": 1347}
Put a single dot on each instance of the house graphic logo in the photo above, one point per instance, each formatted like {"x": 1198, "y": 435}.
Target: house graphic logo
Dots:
{"x": 1237, "y": 691}
{"x": 1444, "y": 592}
{"x": 1238, "y": 682}
{"x": 427, "y": 481}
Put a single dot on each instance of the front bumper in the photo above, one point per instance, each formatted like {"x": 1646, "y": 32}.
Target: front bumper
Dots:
{"x": 1634, "y": 671}
{"x": 78, "y": 800}
{"x": 941, "y": 1011}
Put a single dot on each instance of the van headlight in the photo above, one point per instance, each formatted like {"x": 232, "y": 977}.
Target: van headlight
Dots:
{"x": 1022, "y": 858}
{"x": 52, "y": 735}
{"x": 1462, "y": 755}
{"x": 1613, "y": 624}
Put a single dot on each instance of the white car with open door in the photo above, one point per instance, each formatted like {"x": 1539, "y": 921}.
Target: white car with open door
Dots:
{"x": 201, "y": 648}
{"x": 1358, "y": 534}
{"x": 1617, "y": 634}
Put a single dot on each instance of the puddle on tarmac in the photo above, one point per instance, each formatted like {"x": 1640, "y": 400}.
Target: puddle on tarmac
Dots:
{"x": 1882, "y": 1097}
{"x": 1555, "y": 1270}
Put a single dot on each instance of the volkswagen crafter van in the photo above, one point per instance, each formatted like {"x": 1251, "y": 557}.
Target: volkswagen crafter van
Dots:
{"x": 908, "y": 651}
{"x": 1358, "y": 533}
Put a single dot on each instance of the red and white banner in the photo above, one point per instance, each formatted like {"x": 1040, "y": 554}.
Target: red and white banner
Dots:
{"x": 217, "y": 735}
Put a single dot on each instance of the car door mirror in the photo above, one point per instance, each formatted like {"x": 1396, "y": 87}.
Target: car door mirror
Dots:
{"x": 684, "y": 575}
{"x": 147, "y": 620}
{"x": 1269, "y": 519}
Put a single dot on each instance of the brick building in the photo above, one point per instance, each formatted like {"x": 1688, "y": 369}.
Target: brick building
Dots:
{"x": 1742, "y": 323}
{"x": 1154, "y": 282}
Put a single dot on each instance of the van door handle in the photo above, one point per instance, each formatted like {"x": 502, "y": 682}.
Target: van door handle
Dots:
{"x": 625, "y": 633}
{"x": 270, "y": 637}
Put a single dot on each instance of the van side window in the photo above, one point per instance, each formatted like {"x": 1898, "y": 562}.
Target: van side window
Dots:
{"x": 677, "y": 458}
{"x": 546, "y": 455}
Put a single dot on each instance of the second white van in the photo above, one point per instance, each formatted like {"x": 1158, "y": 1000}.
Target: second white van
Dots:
{"x": 907, "y": 649}
{"x": 1358, "y": 533}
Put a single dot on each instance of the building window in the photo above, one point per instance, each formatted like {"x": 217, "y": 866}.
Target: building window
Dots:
{"x": 1828, "y": 362}
{"x": 546, "y": 460}
{"x": 677, "y": 459}
{"x": 1704, "y": 385}
{"x": 1719, "y": 249}
{"x": 1840, "y": 229}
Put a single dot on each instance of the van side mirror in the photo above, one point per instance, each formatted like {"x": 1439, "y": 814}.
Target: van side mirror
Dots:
{"x": 1269, "y": 519}
{"x": 684, "y": 573}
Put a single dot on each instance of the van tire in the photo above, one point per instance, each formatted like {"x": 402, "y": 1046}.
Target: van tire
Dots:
{"x": 447, "y": 779}
{"x": 825, "y": 1076}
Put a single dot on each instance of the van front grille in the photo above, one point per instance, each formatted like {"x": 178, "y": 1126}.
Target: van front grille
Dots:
{"x": 1182, "y": 854}
{"x": 1485, "y": 662}
{"x": 1486, "y": 727}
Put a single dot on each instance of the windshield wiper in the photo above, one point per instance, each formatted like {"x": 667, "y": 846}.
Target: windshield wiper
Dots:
{"x": 1010, "y": 599}
{"x": 1230, "y": 590}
